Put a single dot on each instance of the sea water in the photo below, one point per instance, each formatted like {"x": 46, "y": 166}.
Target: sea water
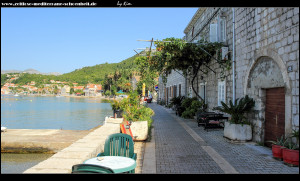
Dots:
{"x": 43, "y": 112}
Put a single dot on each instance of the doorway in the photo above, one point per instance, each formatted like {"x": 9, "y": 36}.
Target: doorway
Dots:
{"x": 274, "y": 114}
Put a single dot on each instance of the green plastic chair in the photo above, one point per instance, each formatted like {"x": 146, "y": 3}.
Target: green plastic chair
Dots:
{"x": 89, "y": 168}
{"x": 119, "y": 144}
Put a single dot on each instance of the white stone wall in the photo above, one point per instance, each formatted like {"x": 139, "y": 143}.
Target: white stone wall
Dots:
{"x": 259, "y": 33}
{"x": 81, "y": 150}
{"x": 175, "y": 78}
{"x": 201, "y": 31}
{"x": 272, "y": 33}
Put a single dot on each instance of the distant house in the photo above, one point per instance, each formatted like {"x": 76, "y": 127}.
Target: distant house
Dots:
{"x": 65, "y": 90}
{"x": 90, "y": 90}
{"x": 5, "y": 90}
{"x": 98, "y": 89}
{"x": 78, "y": 88}
{"x": 93, "y": 90}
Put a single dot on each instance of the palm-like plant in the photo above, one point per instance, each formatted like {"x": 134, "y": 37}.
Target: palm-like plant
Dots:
{"x": 237, "y": 111}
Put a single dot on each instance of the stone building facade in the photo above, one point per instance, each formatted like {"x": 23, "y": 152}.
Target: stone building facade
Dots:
{"x": 174, "y": 87}
{"x": 266, "y": 42}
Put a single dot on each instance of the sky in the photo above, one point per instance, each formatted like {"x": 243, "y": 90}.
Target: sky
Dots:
{"x": 65, "y": 39}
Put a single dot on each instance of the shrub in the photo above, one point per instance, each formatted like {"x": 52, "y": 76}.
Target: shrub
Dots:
{"x": 134, "y": 111}
{"x": 237, "y": 111}
{"x": 192, "y": 105}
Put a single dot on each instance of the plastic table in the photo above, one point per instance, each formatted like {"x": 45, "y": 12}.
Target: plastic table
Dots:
{"x": 118, "y": 164}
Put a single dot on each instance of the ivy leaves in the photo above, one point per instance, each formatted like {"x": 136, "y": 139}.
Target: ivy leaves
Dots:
{"x": 177, "y": 54}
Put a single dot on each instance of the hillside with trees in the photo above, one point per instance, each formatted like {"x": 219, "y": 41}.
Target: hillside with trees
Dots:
{"x": 92, "y": 74}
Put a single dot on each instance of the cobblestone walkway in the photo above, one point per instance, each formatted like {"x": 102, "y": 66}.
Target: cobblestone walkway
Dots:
{"x": 183, "y": 147}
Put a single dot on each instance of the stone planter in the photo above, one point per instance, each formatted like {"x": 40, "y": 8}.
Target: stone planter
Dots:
{"x": 139, "y": 130}
{"x": 113, "y": 120}
{"x": 238, "y": 132}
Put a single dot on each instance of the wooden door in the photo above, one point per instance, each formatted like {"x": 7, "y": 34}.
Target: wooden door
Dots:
{"x": 274, "y": 114}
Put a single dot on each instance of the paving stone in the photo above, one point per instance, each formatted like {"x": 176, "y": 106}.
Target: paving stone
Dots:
{"x": 178, "y": 152}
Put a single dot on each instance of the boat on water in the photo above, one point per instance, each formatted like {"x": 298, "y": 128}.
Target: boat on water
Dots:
{"x": 3, "y": 128}
{"x": 16, "y": 95}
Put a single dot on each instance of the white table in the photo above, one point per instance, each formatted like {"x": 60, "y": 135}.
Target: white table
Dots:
{"x": 118, "y": 164}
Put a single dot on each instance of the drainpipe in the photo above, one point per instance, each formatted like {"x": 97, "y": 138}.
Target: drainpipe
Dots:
{"x": 233, "y": 56}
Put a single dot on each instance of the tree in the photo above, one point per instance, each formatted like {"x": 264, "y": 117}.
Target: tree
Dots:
{"x": 71, "y": 90}
{"x": 148, "y": 75}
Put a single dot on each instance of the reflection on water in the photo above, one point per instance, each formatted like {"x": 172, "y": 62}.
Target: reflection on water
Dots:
{"x": 18, "y": 163}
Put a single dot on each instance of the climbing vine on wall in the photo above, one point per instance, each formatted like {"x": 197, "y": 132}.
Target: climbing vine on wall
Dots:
{"x": 177, "y": 54}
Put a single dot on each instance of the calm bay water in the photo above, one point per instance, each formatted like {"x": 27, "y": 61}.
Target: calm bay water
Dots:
{"x": 33, "y": 112}
{"x": 68, "y": 113}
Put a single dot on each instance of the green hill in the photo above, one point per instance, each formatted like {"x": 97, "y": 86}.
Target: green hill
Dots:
{"x": 96, "y": 74}
{"x": 91, "y": 74}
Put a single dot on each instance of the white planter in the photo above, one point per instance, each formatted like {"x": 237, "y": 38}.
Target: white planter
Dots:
{"x": 139, "y": 130}
{"x": 238, "y": 132}
{"x": 113, "y": 120}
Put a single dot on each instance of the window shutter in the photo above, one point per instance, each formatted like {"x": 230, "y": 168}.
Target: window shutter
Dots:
{"x": 213, "y": 33}
{"x": 221, "y": 92}
{"x": 222, "y": 29}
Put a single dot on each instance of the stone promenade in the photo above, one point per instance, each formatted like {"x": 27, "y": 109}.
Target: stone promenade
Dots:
{"x": 181, "y": 147}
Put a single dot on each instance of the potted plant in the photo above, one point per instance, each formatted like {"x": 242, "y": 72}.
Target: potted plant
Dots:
{"x": 175, "y": 102}
{"x": 117, "y": 108}
{"x": 238, "y": 128}
{"x": 277, "y": 147}
{"x": 290, "y": 153}
{"x": 139, "y": 116}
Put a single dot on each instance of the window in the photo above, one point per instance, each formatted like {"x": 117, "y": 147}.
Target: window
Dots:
{"x": 175, "y": 91}
{"x": 202, "y": 91}
{"x": 213, "y": 33}
{"x": 179, "y": 89}
{"x": 222, "y": 29}
{"x": 221, "y": 92}
{"x": 217, "y": 32}
{"x": 166, "y": 93}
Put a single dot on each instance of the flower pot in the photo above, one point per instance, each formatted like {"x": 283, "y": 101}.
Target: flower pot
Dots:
{"x": 290, "y": 157}
{"x": 118, "y": 112}
{"x": 139, "y": 130}
{"x": 238, "y": 132}
{"x": 277, "y": 151}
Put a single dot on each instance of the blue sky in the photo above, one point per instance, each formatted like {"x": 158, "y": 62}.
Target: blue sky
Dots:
{"x": 65, "y": 39}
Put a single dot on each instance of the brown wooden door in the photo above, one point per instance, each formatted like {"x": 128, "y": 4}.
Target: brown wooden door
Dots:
{"x": 274, "y": 114}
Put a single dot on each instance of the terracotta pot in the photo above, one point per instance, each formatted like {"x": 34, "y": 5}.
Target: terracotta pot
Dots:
{"x": 277, "y": 151}
{"x": 290, "y": 156}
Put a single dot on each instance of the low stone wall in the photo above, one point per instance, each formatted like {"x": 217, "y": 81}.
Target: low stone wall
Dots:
{"x": 81, "y": 150}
